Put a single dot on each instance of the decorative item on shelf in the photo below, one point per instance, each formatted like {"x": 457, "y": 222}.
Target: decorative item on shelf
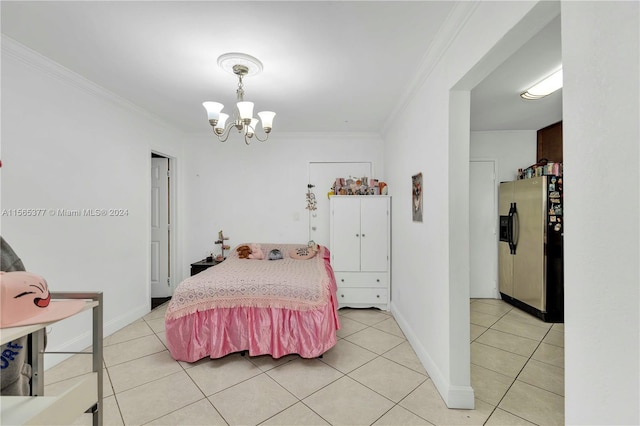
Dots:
{"x": 241, "y": 65}
{"x": 554, "y": 169}
{"x": 221, "y": 240}
{"x": 311, "y": 198}
{"x": 357, "y": 186}
{"x": 542, "y": 168}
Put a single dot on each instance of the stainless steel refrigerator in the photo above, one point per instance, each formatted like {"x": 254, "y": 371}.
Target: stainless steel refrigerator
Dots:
{"x": 530, "y": 257}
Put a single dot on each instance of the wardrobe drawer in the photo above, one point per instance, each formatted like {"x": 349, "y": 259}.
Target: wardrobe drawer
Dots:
{"x": 351, "y": 296}
{"x": 362, "y": 279}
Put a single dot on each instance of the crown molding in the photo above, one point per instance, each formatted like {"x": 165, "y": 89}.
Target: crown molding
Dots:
{"x": 451, "y": 27}
{"x": 308, "y": 135}
{"x": 45, "y": 65}
{"x": 331, "y": 135}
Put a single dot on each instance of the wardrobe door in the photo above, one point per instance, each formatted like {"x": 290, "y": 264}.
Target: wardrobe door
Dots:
{"x": 374, "y": 230}
{"x": 345, "y": 233}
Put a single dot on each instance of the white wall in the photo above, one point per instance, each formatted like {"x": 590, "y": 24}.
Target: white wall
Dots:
{"x": 600, "y": 52}
{"x": 256, "y": 193}
{"x": 430, "y": 293}
{"x": 511, "y": 150}
{"x": 601, "y": 95}
{"x": 68, "y": 144}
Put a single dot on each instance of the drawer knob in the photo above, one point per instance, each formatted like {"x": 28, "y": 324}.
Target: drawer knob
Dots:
{"x": 342, "y": 279}
{"x": 378, "y": 296}
{"x": 342, "y": 295}
{"x": 378, "y": 280}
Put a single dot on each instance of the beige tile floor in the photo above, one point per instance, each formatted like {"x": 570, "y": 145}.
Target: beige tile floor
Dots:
{"x": 371, "y": 377}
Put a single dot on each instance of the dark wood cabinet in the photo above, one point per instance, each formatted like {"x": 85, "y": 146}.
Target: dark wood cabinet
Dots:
{"x": 203, "y": 264}
{"x": 550, "y": 143}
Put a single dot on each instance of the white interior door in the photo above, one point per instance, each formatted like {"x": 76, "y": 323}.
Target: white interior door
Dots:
{"x": 322, "y": 176}
{"x": 160, "y": 283}
{"x": 483, "y": 240}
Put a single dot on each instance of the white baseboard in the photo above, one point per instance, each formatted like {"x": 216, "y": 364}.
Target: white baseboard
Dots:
{"x": 460, "y": 397}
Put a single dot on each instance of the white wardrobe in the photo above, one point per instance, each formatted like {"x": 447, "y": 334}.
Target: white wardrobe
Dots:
{"x": 360, "y": 248}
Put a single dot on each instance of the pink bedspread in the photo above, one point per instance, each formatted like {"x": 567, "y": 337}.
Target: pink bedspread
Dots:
{"x": 275, "y": 307}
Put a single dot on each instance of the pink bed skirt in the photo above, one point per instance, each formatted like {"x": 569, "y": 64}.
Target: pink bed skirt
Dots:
{"x": 260, "y": 331}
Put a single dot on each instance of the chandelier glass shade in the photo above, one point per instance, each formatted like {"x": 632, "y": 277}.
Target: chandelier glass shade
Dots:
{"x": 243, "y": 120}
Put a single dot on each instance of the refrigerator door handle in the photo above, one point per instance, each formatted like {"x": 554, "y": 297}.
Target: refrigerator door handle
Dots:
{"x": 516, "y": 230}
{"x": 513, "y": 228}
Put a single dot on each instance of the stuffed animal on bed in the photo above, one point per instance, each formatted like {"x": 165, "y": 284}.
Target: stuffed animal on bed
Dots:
{"x": 256, "y": 252}
{"x": 243, "y": 251}
{"x": 275, "y": 254}
{"x": 303, "y": 253}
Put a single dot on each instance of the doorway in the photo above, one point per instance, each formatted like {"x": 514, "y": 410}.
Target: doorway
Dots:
{"x": 161, "y": 232}
{"x": 483, "y": 278}
{"x": 460, "y": 119}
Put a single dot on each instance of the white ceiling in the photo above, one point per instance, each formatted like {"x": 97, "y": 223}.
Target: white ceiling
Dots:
{"x": 328, "y": 66}
{"x": 495, "y": 102}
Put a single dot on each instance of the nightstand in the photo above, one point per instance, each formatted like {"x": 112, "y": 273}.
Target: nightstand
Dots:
{"x": 203, "y": 264}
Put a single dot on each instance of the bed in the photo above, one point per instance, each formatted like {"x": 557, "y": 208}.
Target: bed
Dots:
{"x": 274, "y": 307}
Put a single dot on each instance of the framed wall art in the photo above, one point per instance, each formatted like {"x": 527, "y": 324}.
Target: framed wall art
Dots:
{"x": 416, "y": 198}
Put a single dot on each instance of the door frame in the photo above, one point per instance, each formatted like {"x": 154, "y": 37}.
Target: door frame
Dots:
{"x": 495, "y": 215}
{"x": 174, "y": 274}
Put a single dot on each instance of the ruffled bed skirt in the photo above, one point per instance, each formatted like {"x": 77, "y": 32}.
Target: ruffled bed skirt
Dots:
{"x": 260, "y": 331}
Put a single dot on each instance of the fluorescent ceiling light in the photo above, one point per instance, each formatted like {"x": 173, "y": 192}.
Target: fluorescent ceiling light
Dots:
{"x": 545, "y": 87}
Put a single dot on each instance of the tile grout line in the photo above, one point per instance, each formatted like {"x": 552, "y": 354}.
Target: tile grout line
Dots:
{"x": 115, "y": 397}
{"x": 427, "y": 377}
{"x": 515, "y": 380}
{"x": 183, "y": 370}
{"x": 394, "y": 404}
{"x": 530, "y": 357}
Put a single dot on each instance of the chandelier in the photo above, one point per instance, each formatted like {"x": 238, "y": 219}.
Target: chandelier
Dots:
{"x": 241, "y": 65}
